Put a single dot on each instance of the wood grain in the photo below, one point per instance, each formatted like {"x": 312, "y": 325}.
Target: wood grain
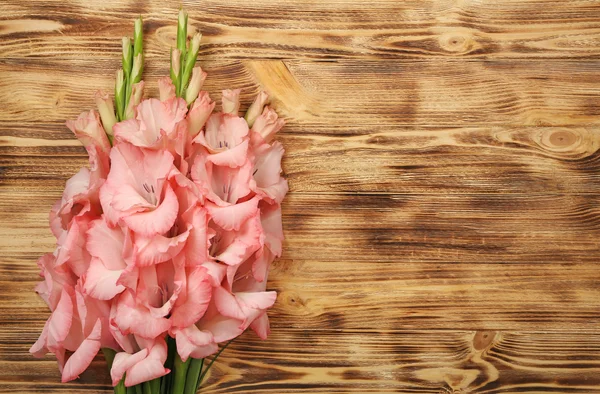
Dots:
{"x": 443, "y": 221}
{"x": 408, "y": 361}
{"x": 378, "y": 29}
{"x": 407, "y": 160}
{"x": 308, "y": 93}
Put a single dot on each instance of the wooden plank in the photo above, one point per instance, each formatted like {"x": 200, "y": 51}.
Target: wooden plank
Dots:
{"x": 408, "y": 361}
{"x": 310, "y": 29}
{"x": 487, "y": 229}
{"x": 393, "y": 295}
{"x": 342, "y": 97}
{"x": 462, "y": 262}
{"x": 405, "y": 160}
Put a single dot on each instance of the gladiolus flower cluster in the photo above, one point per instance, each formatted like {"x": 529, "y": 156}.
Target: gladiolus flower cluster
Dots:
{"x": 167, "y": 237}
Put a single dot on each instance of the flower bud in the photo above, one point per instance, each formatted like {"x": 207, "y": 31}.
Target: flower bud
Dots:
{"x": 266, "y": 125}
{"x": 127, "y": 56}
{"x": 166, "y": 88}
{"x": 137, "y": 91}
{"x": 106, "y": 110}
{"x": 198, "y": 77}
{"x": 182, "y": 31}
{"x": 120, "y": 94}
{"x": 199, "y": 113}
{"x": 175, "y": 66}
{"x": 256, "y": 108}
{"x": 138, "y": 37}
{"x": 136, "y": 71}
{"x": 231, "y": 101}
{"x": 89, "y": 131}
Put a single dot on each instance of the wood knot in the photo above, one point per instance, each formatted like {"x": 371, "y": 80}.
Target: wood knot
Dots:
{"x": 558, "y": 139}
{"x": 572, "y": 142}
{"x": 483, "y": 339}
{"x": 457, "y": 42}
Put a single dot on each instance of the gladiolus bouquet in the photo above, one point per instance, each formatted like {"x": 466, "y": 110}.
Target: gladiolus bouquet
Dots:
{"x": 164, "y": 243}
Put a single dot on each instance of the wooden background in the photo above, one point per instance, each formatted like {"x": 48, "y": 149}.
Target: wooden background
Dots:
{"x": 443, "y": 221}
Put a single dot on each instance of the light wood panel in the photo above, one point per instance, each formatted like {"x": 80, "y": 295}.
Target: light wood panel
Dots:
{"x": 346, "y": 361}
{"x": 407, "y": 160}
{"x": 378, "y": 29}
{"x": 443, "y": 222}
{"x": 341, "y": 97}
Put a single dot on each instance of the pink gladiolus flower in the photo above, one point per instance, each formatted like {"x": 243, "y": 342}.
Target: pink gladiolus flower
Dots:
{"x": 165, "y": 242}
{"x": 155, "y": 120}
{"x": 266, "y": 179}
{"x": 137, "y": 192}
{"x": 265, "y": 126}
{"x": 88, "y": 129}
{"x": 226, "y": 139}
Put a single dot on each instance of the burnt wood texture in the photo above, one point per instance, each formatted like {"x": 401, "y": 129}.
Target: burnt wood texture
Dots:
{"x": 443, "y": 221}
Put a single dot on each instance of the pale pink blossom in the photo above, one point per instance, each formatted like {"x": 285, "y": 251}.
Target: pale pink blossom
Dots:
{"x": 265, "y": 126}
{"x": 169, "y": 233}
{"x": 142, "y": 366}
{"x": 137, "y": 192}
{"x": 88, "y": 129}
{"x": 266, "y": 177}
{"x": 155, "y": 120}
{"x": 226, "y": 138}
{"x": 199, "y": 113}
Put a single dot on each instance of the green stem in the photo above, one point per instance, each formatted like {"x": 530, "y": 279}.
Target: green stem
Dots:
{"x": 155, "y": 386}
{"x": 180, "y": 372}
{"x": 166, "y": 380}
{"x": 138, "y": 389}
{"x": 191, "y": 381}
{"x": 212, "y": 362}
{"x": 109, "y": 355}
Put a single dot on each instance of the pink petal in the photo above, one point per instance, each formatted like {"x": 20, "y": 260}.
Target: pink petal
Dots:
{"x": 199, "y": 113}
{"x": 232, "y": 217}
{"x": 136, "y": 319}
{"x": 166, "y": 88}
{"x": 223, "y": 328}
{"x": 124, "y": 361}
{"x": 193, "y": 342}
{"x": 151, "y": 367}
{"x": 265, "y": 126}
{"x": 233, "y": 157}
{"x": 106, "y": 244}
{"x": 270, "y": 217}
{"x": 88, "y": 129}
{"x": 196, "y": 248}
{"x": 83, "y": 356}
{"x": 101, "y": 282}
{"x": 129, "y": 131}
{"x": 261, "y": 326}
{"x": 71, "y": 247}
{"x": 227, "y": 304}
{"x": 216, "y": 272}
{"x": 267, "y": 178}
{"x": 157, "y": 221}
{"x": 60, "y": 321}
{"x": 38, "y": 349}
{"x": 235, "y": 247}
{"x": 260, "y": 266}
{"x": 157, "y": 249}
{"x": 198, "y": 295}
{"x": 257, "y": 300}
{"x": 126, "y": 198}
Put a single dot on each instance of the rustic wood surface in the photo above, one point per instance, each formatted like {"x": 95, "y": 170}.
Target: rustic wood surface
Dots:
{"x": 443, "y": 220}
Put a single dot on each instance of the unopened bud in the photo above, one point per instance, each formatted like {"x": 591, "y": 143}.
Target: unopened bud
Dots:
{"x": 256, "y": 108}
{"x": 198, "y": 77}
{"x": 231, "y": 101}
